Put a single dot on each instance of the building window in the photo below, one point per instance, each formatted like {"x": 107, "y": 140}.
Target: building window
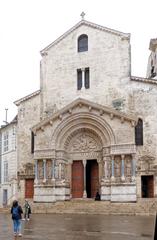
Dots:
{"x": 139, "y": 133}
{"x": 83, "y": 78}
{"x": 79, "y": 79}
{"x": 83, "y": 43}
{"x": 32, "y": 142}
{"x": 86, "y": 78}
{"x": 5, "y": 171}
{"x": 6, "y": 142}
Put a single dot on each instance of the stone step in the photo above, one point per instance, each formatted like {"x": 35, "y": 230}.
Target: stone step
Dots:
{"x": 88, "y": 206}
{"x": 5, "y": 210}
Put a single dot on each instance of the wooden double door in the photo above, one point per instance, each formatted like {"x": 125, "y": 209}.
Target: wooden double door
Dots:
{"x": 88, "y": 179}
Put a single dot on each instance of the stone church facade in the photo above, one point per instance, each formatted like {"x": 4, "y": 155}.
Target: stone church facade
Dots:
{"x": 91, "y": 126}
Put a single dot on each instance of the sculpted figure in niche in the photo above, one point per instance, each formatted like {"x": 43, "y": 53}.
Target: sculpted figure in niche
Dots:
{"x": 40, "y": 169}
{"x": 117, "y": 168}
{"x": 49, "y": 169}
{"x": 128, "y": 168}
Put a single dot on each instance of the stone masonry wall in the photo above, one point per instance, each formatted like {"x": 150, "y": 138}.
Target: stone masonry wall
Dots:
{"x": 109, "y": 62}
{"x": 28, "y": 116}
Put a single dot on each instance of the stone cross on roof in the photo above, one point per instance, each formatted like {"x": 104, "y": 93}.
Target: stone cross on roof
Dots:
{"x": 82, "y": 15}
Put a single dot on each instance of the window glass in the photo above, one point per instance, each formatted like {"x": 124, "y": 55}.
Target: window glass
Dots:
{"x": 86, "y": 78}
{"x": 83, "y": 43}
{"x": 6, "y": 142}
{"x": 139, "y": 133}
{"x": 79, "y": 79}
{"x": 5, "y": 171}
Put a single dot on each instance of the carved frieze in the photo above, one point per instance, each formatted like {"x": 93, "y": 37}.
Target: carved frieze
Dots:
{"x": 27, "y": 170}
{"x": 123, "y": 149}
{"x": 145, "y": 163}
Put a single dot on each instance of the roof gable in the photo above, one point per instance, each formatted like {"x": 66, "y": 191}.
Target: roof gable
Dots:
{"x": 89, "y": 24}
{"x": 90, "y": 105}
{"x": 19, "y": 101}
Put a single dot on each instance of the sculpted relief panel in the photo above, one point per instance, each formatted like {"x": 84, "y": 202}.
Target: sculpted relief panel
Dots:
{"x": 84, "y": 144}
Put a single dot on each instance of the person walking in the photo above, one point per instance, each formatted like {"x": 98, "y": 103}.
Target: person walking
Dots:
{"x": 27, "y": 211}
{"x": 16, "y": 212}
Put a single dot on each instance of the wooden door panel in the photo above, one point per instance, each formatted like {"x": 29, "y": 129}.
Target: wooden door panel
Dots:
{"x": 94, "y": 179}
{"x": 150, "y": 187}
{"x": 77, "y": 179}
{"x": 29, "y": 188}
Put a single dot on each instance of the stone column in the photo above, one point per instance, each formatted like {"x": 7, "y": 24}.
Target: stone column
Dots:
{"x": 122, "y": 167}
{"x": 83, "y": 77}
{"x": 60, "y": 171}
{"x": 44, "y": 162}
{"x": 84, "y": 192}
{"x": 112, "y": 173}
{"x": 36, "y": 171}
{"x": 53, "y": 169}
{"x": 133, "y": 170}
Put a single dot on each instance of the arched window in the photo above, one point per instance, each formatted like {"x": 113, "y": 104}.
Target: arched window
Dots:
{"x": 83, "y": 43}
{"x": 139, "y": 132}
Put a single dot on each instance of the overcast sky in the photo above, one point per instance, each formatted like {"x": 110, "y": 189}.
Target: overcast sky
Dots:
{"x": 27, "y": 26}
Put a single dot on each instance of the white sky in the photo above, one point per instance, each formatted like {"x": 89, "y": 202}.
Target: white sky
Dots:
{"x": 27, "y": 26}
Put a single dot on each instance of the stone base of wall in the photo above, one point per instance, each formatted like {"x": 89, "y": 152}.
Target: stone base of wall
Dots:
{"x": 119, "y": 193}
{"x": 105, "y": 193}
{"x": 51, "y": 193}
{"x": 125, "y": 193}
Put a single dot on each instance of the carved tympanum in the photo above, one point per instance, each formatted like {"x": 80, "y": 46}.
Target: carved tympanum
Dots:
{"x": 84, "y": 142}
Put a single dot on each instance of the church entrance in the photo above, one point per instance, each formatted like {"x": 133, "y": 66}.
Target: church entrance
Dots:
{"x": 92, "y": 178}
{"x": 77, "y": 179}
{"x": 147, "y": 186}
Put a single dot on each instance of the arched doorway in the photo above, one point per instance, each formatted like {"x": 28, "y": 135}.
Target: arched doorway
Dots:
{"x": 82, "y": 140}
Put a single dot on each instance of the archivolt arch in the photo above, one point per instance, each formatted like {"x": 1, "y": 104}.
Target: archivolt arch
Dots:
{"x": 91, "y": 122}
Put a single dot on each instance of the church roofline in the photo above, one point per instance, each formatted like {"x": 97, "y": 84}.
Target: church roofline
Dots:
{"x": 87, "y": 23}
{"x": 144, "y": 80}
{"x": 17, "y": 102}
{"x": 14, "y": 121}
{"x": 91, "y": 104}
{"x": 153, "y": 44}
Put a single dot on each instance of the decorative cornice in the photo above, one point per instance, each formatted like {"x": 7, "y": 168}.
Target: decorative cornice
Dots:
{"x": 144, "y": 80}
{"x": 89, "y": 24}
{"x": 90, "y": 105}
{"x": 17, "y": 103}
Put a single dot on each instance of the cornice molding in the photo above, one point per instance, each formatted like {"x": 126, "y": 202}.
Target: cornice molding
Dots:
{"x": 144, "y": 80}
{"x": 17, "y": 103}
{"x": 90, "y": 105}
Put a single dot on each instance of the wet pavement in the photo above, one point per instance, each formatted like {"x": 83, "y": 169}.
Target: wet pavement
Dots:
{"x": 80, "y": 227}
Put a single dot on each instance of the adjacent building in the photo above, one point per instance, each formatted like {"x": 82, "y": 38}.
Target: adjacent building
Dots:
{"x": 8, "y": 163}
